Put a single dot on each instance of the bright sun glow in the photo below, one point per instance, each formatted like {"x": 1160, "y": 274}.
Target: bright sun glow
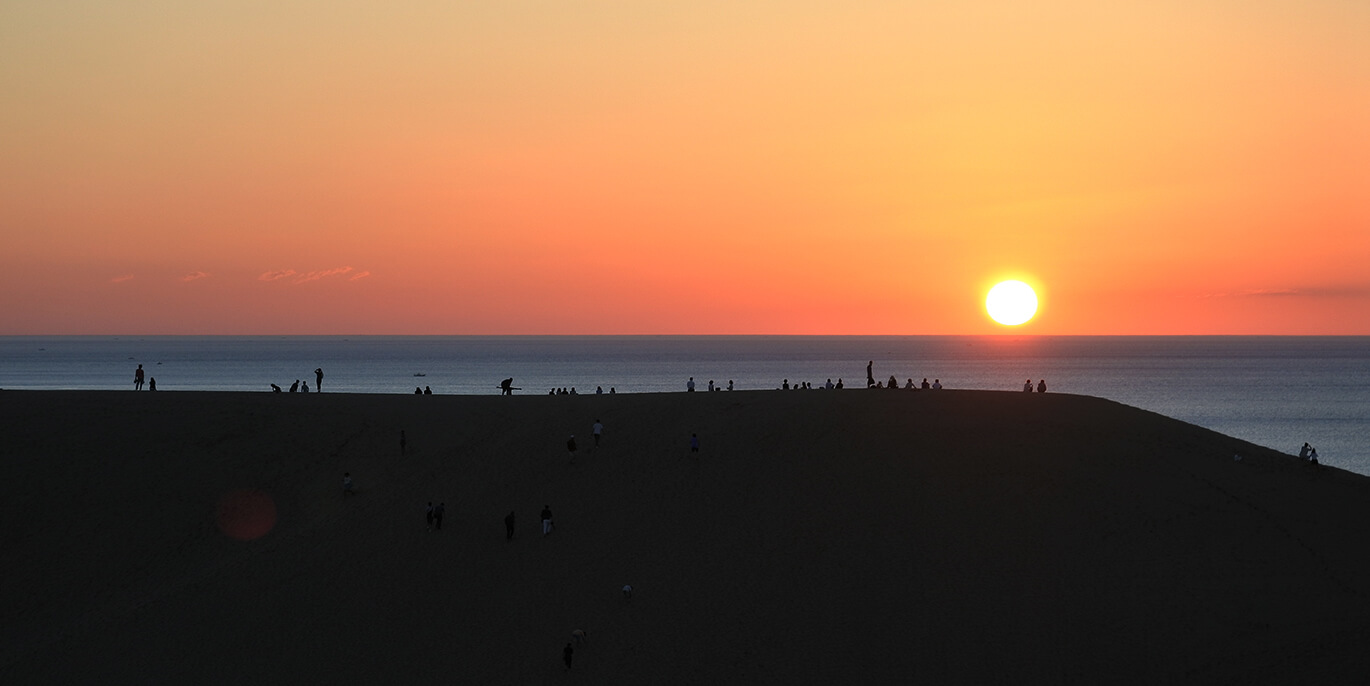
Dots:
{"x": 1011, "y": 303}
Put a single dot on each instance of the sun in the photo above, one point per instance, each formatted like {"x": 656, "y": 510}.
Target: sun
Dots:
{"x": 1011, "y": 303}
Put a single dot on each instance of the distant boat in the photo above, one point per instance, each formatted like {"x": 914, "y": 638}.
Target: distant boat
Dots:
{"x": 420, "y": 375}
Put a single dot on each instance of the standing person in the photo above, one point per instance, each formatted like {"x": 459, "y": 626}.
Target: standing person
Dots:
{"x": 138, "y": 378}
{"x": 870, "y": 378}
{"x": 566, "y": 654}
{"x": 694, "y": 443}
{"x": 295, "y": 387}
{"x": 318, "y": 379}
{"x": 347, "y": 483}
{"x": 571, "y": 446}
{"x": 437, "y": 515}
{"x": 596, "y": 430}
{"x": 429, "y": 515}
{"x": 730, "y": 384}
{"x": 509, "y": 526}
{"x": 546, "y": 520}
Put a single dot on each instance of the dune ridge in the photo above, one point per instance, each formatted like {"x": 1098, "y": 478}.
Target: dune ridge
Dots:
{"x": 818, "y": 536}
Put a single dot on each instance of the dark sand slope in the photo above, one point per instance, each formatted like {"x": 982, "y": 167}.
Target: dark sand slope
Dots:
{"x": 819, "y": 537}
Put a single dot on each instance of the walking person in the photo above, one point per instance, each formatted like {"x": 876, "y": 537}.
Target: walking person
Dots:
{"x": 429, "y": 515}
{"x": 437, "y": 515}
{"x": 596, "y": 430}
{"x": 509, "y": 526}
{"x": 566, "y": 654}
{"x": 546, "y": 520}
{"x": 694, "y": 443}
{"x": 571, "y": 446}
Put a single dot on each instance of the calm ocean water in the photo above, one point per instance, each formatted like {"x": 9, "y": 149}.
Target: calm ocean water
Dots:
{"x": 1273, "y": 391}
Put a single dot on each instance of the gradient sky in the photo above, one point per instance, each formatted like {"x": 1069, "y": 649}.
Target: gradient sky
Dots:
{"x": 596, "y": 167}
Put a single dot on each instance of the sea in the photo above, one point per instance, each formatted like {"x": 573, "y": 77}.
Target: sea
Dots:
{"x": 1275, "y": 391}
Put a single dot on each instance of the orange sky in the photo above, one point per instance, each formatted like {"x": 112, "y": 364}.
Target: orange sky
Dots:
{"x": 787, "y": 167}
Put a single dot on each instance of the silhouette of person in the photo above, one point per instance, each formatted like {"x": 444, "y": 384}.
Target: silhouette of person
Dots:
{"x": 596, "y": 430}
{"x": 427, "y": 390}
{"x": 546, "y": 520}
{"x": 428, "y": 515}
{"x": 437, "y": 515}
{"x": 936, "y": 384}
{"x": 870, "y": 378}
{"x": 571, "y": 445}
{"x": 509, "y": 526}
{"x": 612, "y": 391}
{"x": 1303, "y": 452}
{"x": 893, "y": 383}
{"x": 1042, "y": 386}
{"x": 599, "y": 390}
{"x": 295, "y": 387}
{"x": 304, "y": 386}
{"x": 730, "y": 384}
{"x": 275, "y": 388}
{"x": 689, "y": 385}
{"x": 318, "y": 379}
{"x": 694, "y": 443}
{"x": 418, "y": 391}
{"x": 138, "y": 378}
{"x": 785, "y": 385}
{"x": 839, "y": 383}
{"x": 506, "y": 387}
{"x": 711, "y": 385}
{"x": 1027, "y": 386}
{"x": 926, "y": 385}
{"x": 566, "y": 654}
{"x": 152, "y": 383}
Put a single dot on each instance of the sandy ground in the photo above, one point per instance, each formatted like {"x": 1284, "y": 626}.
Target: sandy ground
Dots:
{"x": 818, "y": 537}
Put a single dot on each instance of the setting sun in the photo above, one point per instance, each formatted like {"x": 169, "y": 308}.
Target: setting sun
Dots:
{"x": 1011, "y": 303}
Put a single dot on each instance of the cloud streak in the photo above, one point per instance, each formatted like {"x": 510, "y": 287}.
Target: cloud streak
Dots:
{"x": 322, "y": 273}
{"x": 276, "y": 275}
{"x": 1317, "y": 292}
{"x": 193, "y": 276}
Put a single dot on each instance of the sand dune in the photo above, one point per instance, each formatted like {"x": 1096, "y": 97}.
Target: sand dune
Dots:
{"x": 818, "y": 537}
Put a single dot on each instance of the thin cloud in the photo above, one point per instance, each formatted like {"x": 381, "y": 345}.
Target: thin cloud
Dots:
{"x": 1320, "y": 292}
{"x": 121, "y": 279}
{"x": 193, "y": 276}
{"x": 276, "y": 275}
{"x": 316, "y": 275}
{"x": 361, "y": 275}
